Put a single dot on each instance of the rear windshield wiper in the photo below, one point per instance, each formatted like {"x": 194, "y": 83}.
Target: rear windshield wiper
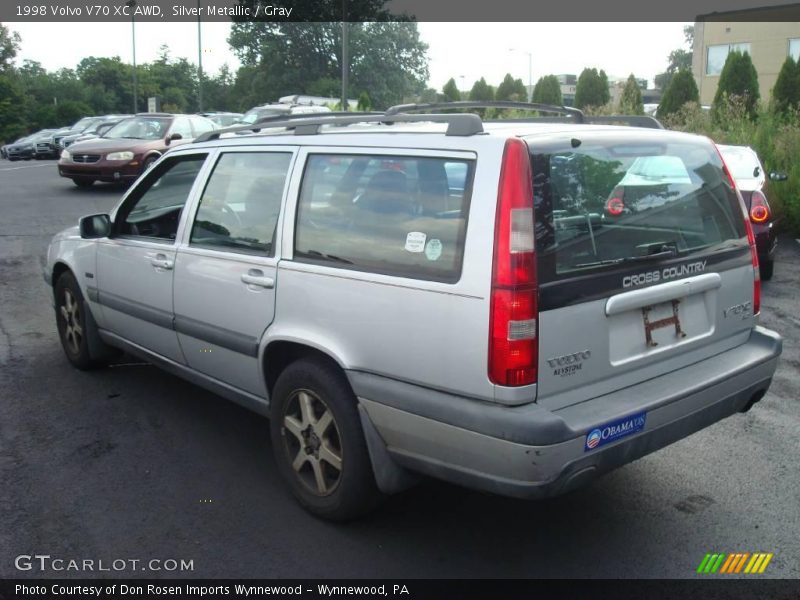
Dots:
{"x": 627, "y": 259}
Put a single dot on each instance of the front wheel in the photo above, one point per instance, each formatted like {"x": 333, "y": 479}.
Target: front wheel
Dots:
{"x": 71, "y": 321}
{"x": 318, "y": 441}
{"x": 148, "y": 163}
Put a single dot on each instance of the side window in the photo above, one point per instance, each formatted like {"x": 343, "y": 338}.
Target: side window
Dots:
{"x": 240, "y": 206}
{"x": 154, "y": 209}
{"x": 396, "y": 215}
{"x": 182, "y": 126}
{"x": 201, "y": 125}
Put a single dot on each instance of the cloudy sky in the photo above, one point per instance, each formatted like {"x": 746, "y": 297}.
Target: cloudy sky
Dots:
{"x": 471, "y": 50}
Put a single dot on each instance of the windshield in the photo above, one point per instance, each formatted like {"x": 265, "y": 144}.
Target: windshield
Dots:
{"x": 83, "y": 123}
{"x": 741, "y": 162}
{"x": 140, "y": 128}
{"x": 601, "y": 204}
{"x": 254, "y": 114}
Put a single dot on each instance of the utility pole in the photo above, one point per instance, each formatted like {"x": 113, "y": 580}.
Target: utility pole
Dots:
{"x": 132, "y": 5}
{"x": 530, "y": 70}
{"x": 345, "y": 58}
{"x": 199, "y": 62}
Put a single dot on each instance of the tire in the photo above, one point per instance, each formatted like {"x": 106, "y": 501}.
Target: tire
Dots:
{"x": 83, "y": 183}
{"x": 314, "y": 425}
{"x": 148, "y": 162}
{"x": 71, "y": 322}
{"x": 766, "y": 268}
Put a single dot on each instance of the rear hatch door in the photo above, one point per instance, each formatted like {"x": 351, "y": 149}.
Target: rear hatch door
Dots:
{"x": 643, "y": 259}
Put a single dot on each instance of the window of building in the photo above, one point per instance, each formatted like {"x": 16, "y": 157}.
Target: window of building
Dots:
{"x": 794, "y": 48}
{"x": 717, "y": 55}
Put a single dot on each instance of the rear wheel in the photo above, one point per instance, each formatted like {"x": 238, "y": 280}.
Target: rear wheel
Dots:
{"x": 71, "y": 321}
{"x": 319, "y": 443}
{"x": 766, "y": 268}
{"x": 83, "y": 183}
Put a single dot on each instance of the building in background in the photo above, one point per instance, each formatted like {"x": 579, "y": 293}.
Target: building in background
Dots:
{"x": 767, "y": 34}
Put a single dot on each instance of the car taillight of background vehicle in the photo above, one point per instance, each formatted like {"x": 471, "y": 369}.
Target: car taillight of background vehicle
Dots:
{"x": 759, "y": 209}
{"x": 751, "y": 238}
{"x": 615, "y": 205}
{"x": 513, "y": 341}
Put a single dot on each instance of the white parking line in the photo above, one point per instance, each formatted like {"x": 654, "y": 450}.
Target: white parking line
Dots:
{"x": 25, "y": 167}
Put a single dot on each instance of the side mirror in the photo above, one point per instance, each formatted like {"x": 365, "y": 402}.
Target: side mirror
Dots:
{"x": 776, "y": 176}
{"x": 756, "y": 172}
{"x": 95, "y": 226}
{"x": 173, "y": 137}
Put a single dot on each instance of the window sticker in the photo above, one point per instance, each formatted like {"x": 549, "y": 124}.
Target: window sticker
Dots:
{"x": 415, "y": 241}
{"x": 433, "y": 249}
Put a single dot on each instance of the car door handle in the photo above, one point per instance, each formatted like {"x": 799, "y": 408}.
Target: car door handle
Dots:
{"x": 257, "y": 277}
{"x": 160, "y": 261}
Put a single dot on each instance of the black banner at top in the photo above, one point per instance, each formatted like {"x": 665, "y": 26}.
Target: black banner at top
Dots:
{"x": 380, "y": 10}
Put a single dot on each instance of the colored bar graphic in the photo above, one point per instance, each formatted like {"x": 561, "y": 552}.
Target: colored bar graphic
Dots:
{"x": 703, "y": 563}
{"x": 766, "y": 562}
{"x": 741, "y": 562}
{"x": 718, "y": 563}
{"x": 734, "y": 563}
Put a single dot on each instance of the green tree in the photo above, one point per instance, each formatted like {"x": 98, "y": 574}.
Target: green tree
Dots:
{"x": 481, "y": 91}
{"x": 682, "y": 89}
{"x": 364, "y": 103}
{"x": 450, "y": 91}
{"x": 630, "y": 102}
{"x": 387, "y": 59}
{"x": 678, "y": 60}
{"x": 786, "y": 93}
{"x": 592, "y": 89}
{"x": 737, "y": 79}
{"x": 511, "y": 89}
{"x": 9, "y": 46}
{"x": 548, "y": 91}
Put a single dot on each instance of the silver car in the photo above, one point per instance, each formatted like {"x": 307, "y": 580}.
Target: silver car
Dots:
{"x": 426, "y": 294}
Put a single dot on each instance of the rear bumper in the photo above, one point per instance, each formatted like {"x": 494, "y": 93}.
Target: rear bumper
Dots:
{"x": 530, "y": 452}
{"x": 766, "y": 241}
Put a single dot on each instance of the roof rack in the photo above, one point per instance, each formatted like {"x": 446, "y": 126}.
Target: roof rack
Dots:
{"x": 645, "y": 121}
{"x": 458, "y": 124}
{"x": 577, "y": 115}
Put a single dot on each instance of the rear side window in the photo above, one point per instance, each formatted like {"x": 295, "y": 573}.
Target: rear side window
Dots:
{"x": 396, "y": 215}
{"x": 601, "y": 203}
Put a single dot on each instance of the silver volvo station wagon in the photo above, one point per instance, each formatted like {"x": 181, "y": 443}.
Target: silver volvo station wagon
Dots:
{"x": 511, "y": 306}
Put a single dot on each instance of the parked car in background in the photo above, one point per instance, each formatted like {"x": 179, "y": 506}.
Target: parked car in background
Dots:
{"x": 223, "y": 119}
{"x": 129, "y": 148}
{"x": 95, "y": 130}
{"x": 276, "y": 109}
{"x": 79, "y": 127}
{"x": 753, "y": 183}
{"x": 26, "y": 148}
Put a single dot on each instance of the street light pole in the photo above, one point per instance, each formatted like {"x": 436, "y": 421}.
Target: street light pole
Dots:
{"x": 132, "y": 5}
{"x": 199, "y": 62}
{"x": 345, "y": 58}
{"x": 530, "y": 69}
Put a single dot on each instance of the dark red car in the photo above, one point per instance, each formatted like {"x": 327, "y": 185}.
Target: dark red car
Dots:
{"x": 129, "y": 148}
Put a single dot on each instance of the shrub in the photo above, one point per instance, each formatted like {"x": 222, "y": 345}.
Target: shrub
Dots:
{"x": 738, "y": 78}
{"x": 681, "y": 89}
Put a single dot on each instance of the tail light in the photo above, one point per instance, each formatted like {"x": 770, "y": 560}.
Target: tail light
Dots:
{"x": 751, "y": 238}
{"x": 759, "y": 209}
{"x": 513, "y": 320}
{"x": 615, "y": 205}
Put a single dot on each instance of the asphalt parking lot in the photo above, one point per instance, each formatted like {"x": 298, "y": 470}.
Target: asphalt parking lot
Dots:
{"x": 131, "y": 463}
